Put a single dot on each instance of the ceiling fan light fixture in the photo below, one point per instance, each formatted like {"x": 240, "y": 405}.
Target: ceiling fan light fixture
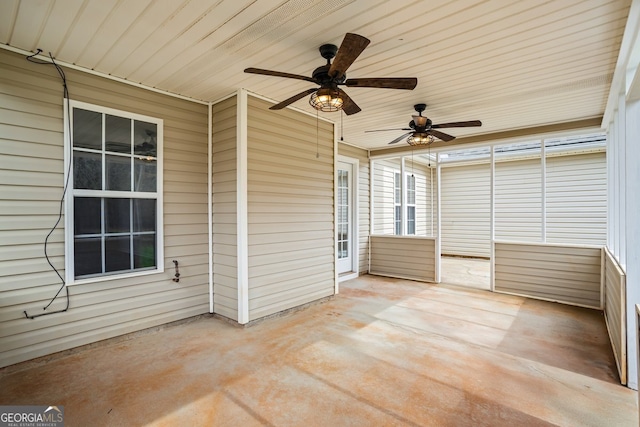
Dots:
{"x": 420, "y": 138}
{"x": 326, "y": 100}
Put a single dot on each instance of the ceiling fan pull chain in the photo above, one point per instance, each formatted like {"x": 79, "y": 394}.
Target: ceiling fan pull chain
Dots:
{"x": 317, "y": 135}
{"x": 412, "y": 161}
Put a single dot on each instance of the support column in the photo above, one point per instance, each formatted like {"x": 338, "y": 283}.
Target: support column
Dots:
{"x": 631, "y": 193}
{"x": 492, "y": 217}
{"x": 242, "y": 206}
{"x": 438, "y": 253}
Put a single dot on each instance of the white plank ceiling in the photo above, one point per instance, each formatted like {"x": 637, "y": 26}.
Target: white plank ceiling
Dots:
{"x": 511, "y": 64}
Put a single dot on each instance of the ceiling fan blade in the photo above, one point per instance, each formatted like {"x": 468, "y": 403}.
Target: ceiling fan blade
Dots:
{"x": 471, "y": 123}
{"x": 278, "y": 74}
{"x": 441, "y": 135}
{"x": 348, "y": 106}
{"x": 400, "y": 138}
{"x": 384, "y": 130}
{"x": 407, "y": 83}
{"x": 351, "y": 47}
{"x": 293, "y": 99}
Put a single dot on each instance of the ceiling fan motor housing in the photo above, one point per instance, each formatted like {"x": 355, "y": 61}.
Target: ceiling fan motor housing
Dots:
{"x": 321, "y": 75}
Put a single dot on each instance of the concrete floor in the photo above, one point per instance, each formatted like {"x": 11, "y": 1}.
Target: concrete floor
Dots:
{"x": 467, "y": 272}
{"x": 383, "y": 352}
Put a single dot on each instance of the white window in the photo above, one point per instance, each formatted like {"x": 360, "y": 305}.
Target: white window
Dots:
{"x": 397, "y": 203}
{"x": 411, "y": 204}
{"x": 114, "y": 199}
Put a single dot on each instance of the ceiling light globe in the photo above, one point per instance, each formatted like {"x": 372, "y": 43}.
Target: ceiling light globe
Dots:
{"x": 326, "y": 100}
{"x": 420, "y": 138}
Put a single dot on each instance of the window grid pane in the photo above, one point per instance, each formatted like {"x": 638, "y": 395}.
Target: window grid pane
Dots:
{"x": 114, "y": 153}
{"x": 411, "y": 204}
{"x": 343, "y": 214}
{"x": 397, "y": 201}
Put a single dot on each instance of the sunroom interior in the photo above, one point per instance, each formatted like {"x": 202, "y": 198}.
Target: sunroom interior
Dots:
{"x": 247, "y": 216}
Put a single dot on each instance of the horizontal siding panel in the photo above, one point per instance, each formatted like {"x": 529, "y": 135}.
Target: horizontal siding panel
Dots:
{"x": 290, "y": 198}
{"x": 222, "y": 270}
{"x": 25, "y": 252}
{"x": 227, "y": 287}
{"x": 28, "y": 179}
{"x": 20, "y": 134}
{"x": 180, "y": 309}
{"x": 85, "y": 309}
{"x": 258, "y": 269}
{"x": 615, "y": 311}
{"x": 583, "y": 298}
{"x": 465, "y": 210}
{"x": 275, "y": 298}
{"x": 587, "y": 265}
{"x": 31, "y": 161}
{"x": 301, "y": 244}
{"x": 568, "y": 274}
{"x": 298, "y": 227}
{"x": 279, "y": 237}
{"x": 408, "y": 257}
{"x": 557, "y": 279}
{"x": 225, "y": 307}
{"x": 284, "y": 304}
{"x": 30, "y": 150}
{"x": 282, "y": 285}
{"x": 172, "y": 188}
{"x": 225, "y": 256}
{"x": 272, "y": 218}
{"x": 577, "y": 199}
{"x": 26, "y": 281}
{"x": 518, "y": 200}
{"x": 548, "y": 252}
{"x": 46, "y": 165}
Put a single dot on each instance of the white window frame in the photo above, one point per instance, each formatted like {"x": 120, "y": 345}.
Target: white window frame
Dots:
{"x": 71, "y": 193}
{"x": 409, "y": 177}
{"x": 397, "y": 203}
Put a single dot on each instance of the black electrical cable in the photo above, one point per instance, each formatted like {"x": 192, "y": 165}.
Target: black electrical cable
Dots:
{"x": 60, "y": 71}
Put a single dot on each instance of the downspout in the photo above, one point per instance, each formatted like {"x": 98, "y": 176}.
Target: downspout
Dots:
{"x": 210, "y": 200}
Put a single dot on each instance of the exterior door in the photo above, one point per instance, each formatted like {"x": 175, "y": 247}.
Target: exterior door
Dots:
{"x": 344, "y": 220}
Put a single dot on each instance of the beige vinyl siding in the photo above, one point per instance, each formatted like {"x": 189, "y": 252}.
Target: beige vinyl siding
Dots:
{"x": 363, "y": 201}
{"x": 615, "y": 303}
{"x": 577, "y": 199}
{"x": 383, "y": 193}
{"x": 225, "y": 248}
{"x": 31, "y": 181}
{"x": 563, "y": 273}
{"x": 408, "y": 257}
{"x": 290, "y": 209}
{"x": 425, "y": 199}
{"x": 518, "y": 200}
{"x": 465, "y": 205}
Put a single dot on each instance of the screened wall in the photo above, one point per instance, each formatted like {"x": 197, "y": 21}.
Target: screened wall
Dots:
{"x": 551, "y": 191}
{"x": 404, "y": 197}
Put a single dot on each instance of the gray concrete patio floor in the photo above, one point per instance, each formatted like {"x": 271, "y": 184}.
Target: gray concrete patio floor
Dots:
{"x": 383, "y": 352}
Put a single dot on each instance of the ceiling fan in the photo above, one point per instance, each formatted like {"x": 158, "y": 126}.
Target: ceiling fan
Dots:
{"x": 329, "y": 97}
{"x": 423, "y": 132}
